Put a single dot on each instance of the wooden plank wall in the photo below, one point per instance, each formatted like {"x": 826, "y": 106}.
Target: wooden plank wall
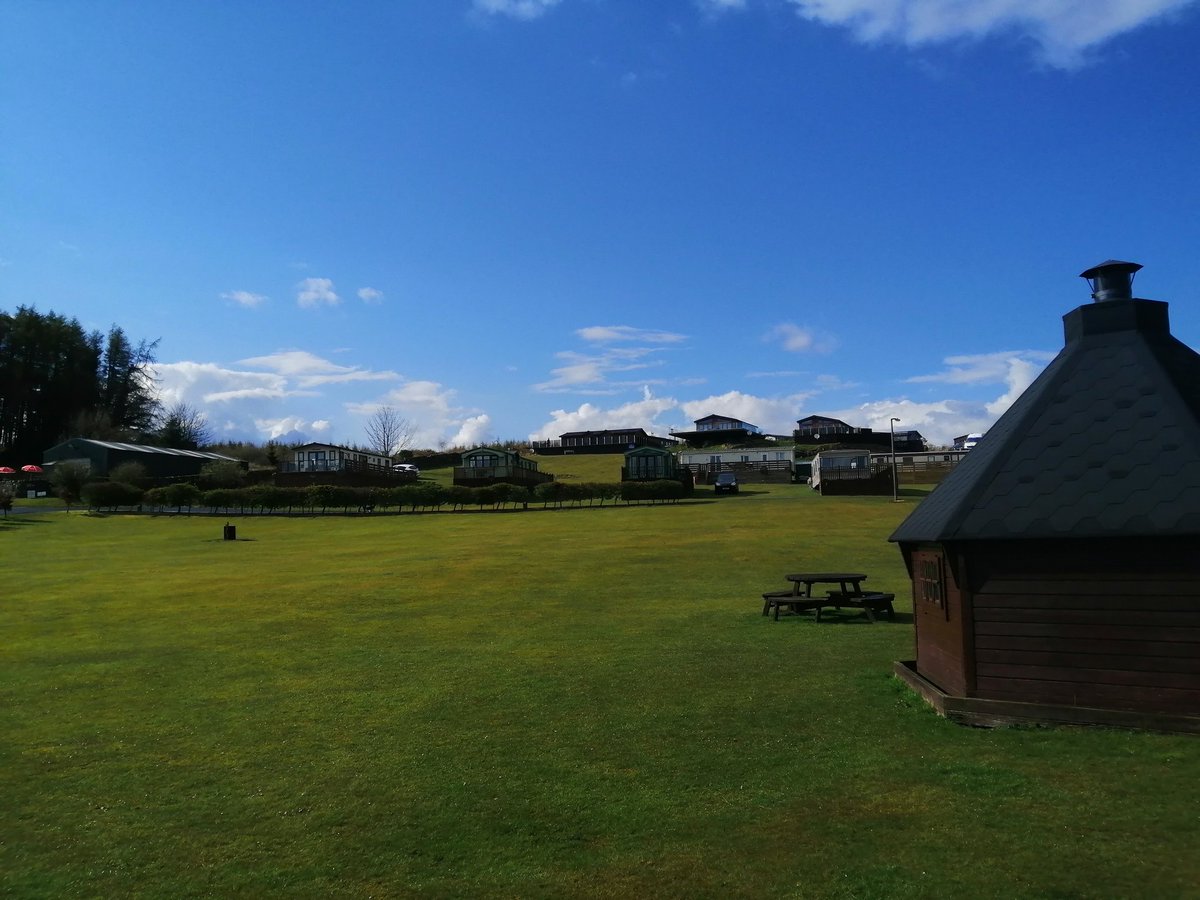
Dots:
{"x": 1084, "y": 636}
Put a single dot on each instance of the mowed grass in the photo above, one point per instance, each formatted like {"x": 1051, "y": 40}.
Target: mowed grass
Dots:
{"x": 584, "y": 702}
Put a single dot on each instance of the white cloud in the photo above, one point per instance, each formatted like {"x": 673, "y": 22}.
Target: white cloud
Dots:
{"x": 987, "y": 368}
{"x": 431, "y": 407}
{"x": 472, "y": 432}
{"x": 517, "y": 9}
{"x": 199, "y": 383}
{"x": 590, "y": 374}
{"x": 296, "y": 362}
{"x": 607, "y": 334}
{"x": 797, "y": 339}
{"x": 370, "y": 295}
{"x": 1020, "y": 375}
{"x": 773, "y": 415}
{"x": 292, "y": 429}
{"x": 245, "y": 298}
{"x": 316, "y": 291}
{"x": 310, "y": 381}
{"x": 645, "y": 413}
{"x": 1064, "y": 30}
{"x": 939, "y": 421}
{"x": 715, "y": 7}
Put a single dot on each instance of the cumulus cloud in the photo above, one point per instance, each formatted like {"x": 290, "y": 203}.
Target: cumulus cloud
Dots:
{"x": 370, "y": 295}
{"x": 245, "y": 298}
{"x": 473, "y": 431}
{"x": 773, "y": 415}
{"x": 316, "y": 292}
{"x": 644, "y": 413}
{"x": 939, "y": 421}
{"x": 1020, "y": 375}
{"x": 293, "y": 429}
{"x": 432, "y": 409}
{"x": 517, "y": 9}
{"x": 201, "y": 383}
{"x": 1064, "y": 30}
{"x": 797, "y": 339}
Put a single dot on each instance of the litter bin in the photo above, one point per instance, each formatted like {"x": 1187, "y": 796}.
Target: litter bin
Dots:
{"x": 231, "y": 532}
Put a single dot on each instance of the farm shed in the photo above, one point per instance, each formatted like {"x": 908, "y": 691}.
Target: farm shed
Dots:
{"x": 160, "y": 462}
{"x": 1055, "y": 572}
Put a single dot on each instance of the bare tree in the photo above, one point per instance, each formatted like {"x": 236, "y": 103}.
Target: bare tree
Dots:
{"x": 388, "y": 432}
{"x": 184, "y": 427}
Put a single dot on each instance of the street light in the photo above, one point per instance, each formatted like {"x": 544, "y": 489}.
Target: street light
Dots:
{"x": 895, "y": 487}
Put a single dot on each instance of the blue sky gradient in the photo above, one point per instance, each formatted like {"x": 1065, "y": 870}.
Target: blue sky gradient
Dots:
{"x": 513, "y": 218}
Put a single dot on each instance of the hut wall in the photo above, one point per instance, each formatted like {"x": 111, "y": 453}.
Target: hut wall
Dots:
{"x": 943, "y": 622}
{"x": 1108, "y": 623}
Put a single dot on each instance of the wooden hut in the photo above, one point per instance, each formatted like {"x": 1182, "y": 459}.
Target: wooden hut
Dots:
{"x": 1055, "y": 572}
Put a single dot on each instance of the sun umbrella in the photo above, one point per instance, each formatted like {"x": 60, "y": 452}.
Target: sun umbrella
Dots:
{"x": 7, "y": 470}
{"x": 31, "y": 468}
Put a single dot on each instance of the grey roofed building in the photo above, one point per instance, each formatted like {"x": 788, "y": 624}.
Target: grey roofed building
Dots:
{"x": 160, "y": 462}
{"x": 1105, "y": 443}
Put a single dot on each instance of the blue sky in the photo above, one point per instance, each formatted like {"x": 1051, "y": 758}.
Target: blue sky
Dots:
{"x": 514, "y": 218}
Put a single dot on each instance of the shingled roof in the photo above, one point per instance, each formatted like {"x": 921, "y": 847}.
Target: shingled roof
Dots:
{"x": 1105, "y": 443}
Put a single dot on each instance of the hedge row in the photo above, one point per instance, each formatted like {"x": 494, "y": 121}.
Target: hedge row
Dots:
{"x": 325, "y": 498}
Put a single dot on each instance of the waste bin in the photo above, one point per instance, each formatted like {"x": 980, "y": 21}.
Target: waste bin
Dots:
{"x": 231, "y": 532}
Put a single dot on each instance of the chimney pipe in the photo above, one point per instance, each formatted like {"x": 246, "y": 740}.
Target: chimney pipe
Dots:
{"x": 1111, "y": 280}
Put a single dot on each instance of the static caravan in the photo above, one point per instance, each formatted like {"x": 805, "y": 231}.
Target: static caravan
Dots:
{"x": 849, "y": 472}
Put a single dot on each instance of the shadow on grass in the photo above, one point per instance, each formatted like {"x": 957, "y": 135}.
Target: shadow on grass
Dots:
{"x": 847, "y": 617}
{"x": 20, "y": 521}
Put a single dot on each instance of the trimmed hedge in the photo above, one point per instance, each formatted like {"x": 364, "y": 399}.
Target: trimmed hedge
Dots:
{"x": 423, "y": 496}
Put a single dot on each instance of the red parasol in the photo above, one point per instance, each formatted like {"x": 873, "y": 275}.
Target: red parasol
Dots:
{"x": 7, "y": 470}
{"x": 31, "y": 468}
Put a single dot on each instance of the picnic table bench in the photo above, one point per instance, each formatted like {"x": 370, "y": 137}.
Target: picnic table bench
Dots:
{"x": 850, "y": 595}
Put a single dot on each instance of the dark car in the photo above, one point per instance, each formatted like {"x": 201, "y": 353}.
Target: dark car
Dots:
{"x": 726, "y": 482}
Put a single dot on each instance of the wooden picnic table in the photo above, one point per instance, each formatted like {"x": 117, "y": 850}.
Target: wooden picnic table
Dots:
{"x": 850, "y": 594}
{"x": 849, "y": 582}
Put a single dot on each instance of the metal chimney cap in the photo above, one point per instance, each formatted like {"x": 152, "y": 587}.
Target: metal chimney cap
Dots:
{"x": 1113, "y": 266}
{"x": 1111, "y": 280}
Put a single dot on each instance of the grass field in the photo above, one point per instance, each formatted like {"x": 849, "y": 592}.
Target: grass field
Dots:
{"x": 584, "y": 702}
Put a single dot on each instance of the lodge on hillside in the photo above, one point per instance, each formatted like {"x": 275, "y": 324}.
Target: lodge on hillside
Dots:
{"x": 612, "y": 440}
{"x": 714, "y": 429}
{"x": 823, "y": 430}
{"x": 495, "y": 465}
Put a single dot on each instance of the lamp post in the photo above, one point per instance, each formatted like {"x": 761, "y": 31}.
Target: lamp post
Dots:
{"x": 895, "y": 487}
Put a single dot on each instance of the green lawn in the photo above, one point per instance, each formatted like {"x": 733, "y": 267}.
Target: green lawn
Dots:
{"x": 584, "y": 702}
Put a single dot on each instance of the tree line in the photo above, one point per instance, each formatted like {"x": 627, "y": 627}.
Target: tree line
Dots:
{"x": 59, "y": 381}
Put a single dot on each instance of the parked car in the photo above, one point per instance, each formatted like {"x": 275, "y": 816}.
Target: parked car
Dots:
{"x": 406, "y": 469}
{"x": 725, "y": 482}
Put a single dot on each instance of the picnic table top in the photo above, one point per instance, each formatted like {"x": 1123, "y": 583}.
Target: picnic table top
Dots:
{"x": 816, "y": 577}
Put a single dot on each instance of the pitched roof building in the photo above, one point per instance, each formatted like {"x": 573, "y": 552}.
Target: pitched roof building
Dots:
{"x": 1056, "y": 572}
